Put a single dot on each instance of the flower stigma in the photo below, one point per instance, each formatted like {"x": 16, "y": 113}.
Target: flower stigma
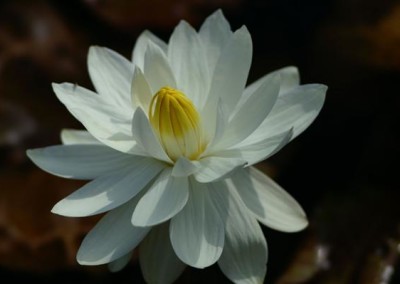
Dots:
{"x": 177, "y": 124}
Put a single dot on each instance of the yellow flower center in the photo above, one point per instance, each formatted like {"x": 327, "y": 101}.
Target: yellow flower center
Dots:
{"x": 177, "y": 123}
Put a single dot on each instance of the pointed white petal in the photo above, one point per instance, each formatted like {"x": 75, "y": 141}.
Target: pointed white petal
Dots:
{"x": 295, "y": 109}
{"x": 216, "y": 168}
{"x": 165, "y": 198}
{"x": 111, "y": 75}
{"x": 145, "y": 136}
{"x": 255, "y": 152}
{"x": 184, "y": 167}
{"x": 214, "y": 34}
{"x": 197, "y": 233}
{"x": 230, "y": 74}
{"x": 252, "y": 113}
{"x": 140, "y": 91}
{"x": 113, "y": 237}
{"x": 188, "y": 62}
{"x": 141, "y": 45}
{"x": 272, "y": 205}
{"x": 290, "y": 79}
{"x": 109, "y": 191}
{"x": 156, "y": 69}
{"x": 101, "y": 114}
{"x": 244, "y": 258}
{"x": 101, "y": 118}
{"x": 78, "y": 161}
{"x": 120, "y": 263}
{"x": 72, "y": 136}
{"x": 158, "y": 261}
{"x": 217, "y": 123}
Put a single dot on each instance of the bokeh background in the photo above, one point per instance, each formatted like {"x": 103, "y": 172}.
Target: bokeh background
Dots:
{"x": 343, "y": 169}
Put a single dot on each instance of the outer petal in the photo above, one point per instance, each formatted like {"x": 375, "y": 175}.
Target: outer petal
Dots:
{"x": 244, "y": 258}
{"x": 295, "y": 109}
{"x": 216, "y": 168}
{"x": 113, "y": 237}
{"x": 290, "y": 79}
{"x": 146, "y": 138}
{"x": 197, "y": 233}
{"x": 72, "y": 136}
{"x": 101, "y": 118}
{"x": 214, "y": 34}
{"x": 156, "y": 69}
{"x": 79, "y": 161}
{"x": 272, "y": 206}
{"x": 260, "y": 150}
{"x": 166, "y": 197}
{"x": 109, "y": 191}
{"x": 188, "y": 62}
{"x": 141, "y": 45}
{"x": 120, "y": 263}
{"x": 250, "y": 115}
{"x": 158, "y": 261}
{"x": 111, "y": 75}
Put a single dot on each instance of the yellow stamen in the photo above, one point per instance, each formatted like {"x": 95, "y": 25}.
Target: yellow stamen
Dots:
{"x": 177, "y": 123}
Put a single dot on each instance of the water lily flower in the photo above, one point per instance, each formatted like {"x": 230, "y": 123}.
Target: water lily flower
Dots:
{"x": 172, "y": 139}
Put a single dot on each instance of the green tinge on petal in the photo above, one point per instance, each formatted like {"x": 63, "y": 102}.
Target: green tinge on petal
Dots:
{"x": 158, "y": 261}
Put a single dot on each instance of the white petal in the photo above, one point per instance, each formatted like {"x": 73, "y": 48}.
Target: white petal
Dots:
{"x": 156, "y": 69}
{"x": 214, "y": 34}
{"x": 184, "y": 167}
{"x": 217, "y": 123}
{"x": 295, "y": 109}
{"x": 165, "y": 198}
{"x": 109, "y": 191}
{"x": 78, "y": 161}
{"x": 158, "y": 261}
{"x": 113, "y": 237}
{"x": 101, "y": 118}
{"x": 290, "y": 79}
{"x": 140, "y": 91}
{"x": 216, "y": 168}
{"x": 120, "y": 263}
{"x": 231, "y": 71}
{"x": 260, "y": 150}
{"x": 72, "y": 136}
{"x": 141, "y": 45}
{"x": 252, "y": 113}
{"x": 111, "y": 75}
{"x": 197, "y": 233}
{"x": 244, "y": 258}
{"x": 188, "y": 62}
{"x": 272, "y": 206}
{"x": 145, "y": 136}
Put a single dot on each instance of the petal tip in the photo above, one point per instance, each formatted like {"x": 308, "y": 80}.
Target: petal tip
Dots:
{"x": 64, "y": 208}
{"x": 83, "y": 258}
{"x": 58, "y": 209}
{"x": 300, "y": 225}
{"x": 30, "y": 153}
{"x": 136, "y": 221}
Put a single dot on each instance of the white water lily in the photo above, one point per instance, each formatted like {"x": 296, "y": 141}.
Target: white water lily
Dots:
{"x": 171, "y": 140}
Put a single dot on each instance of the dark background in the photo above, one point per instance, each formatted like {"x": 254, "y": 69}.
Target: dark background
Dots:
{"x": 343, "y": 170}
